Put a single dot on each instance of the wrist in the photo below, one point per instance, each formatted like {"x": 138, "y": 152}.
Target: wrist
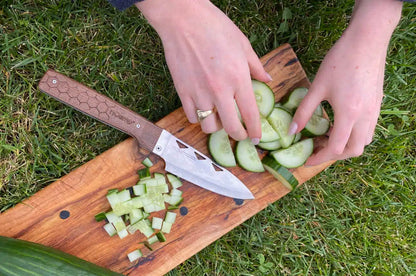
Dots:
{"x": 170, "y": 14}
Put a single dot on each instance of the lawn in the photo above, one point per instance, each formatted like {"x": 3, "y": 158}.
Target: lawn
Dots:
{"x": 358, "y": 217}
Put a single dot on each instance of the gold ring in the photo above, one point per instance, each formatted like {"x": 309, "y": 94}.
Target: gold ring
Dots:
{"x": 202, "y": 114}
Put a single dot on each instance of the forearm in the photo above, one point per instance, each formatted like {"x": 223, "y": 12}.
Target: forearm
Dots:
{"x": 375, "y": 20}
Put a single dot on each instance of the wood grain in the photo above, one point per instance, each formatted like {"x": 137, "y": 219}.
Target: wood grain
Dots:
{"x": 82, "y": 194}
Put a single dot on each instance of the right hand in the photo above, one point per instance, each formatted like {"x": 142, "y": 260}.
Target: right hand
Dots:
{"x": 211, "y": 63}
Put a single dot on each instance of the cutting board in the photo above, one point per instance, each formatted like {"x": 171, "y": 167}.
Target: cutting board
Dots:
{"x": 62, "y": 214}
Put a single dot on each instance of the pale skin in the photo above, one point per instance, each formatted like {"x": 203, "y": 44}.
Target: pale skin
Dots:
{"x": 212, "y": 64}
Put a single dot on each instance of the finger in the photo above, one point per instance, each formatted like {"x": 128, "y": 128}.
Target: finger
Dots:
{"x": 229, "y": 118}
{"x": 337, "y": 142}
{"x": 306, "y": 108}
{"x": 190, "y": 110}
{"x": 256, "y": 67}
{"x": 246, "y": 102}
{"x": 357, "y": 140}
{"x": 211, "y": 123}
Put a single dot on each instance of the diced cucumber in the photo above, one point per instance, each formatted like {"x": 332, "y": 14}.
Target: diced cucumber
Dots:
{"x": 125, "y": 207}
{"x": 280, "y": 173}
{"x": 247, "y": 156}
{"x": 123, "y": 233}
{"x": 144, "y": 173}
{"x": 152, "y": 240}
{"x": 153, "y": 202}
{"x": 316, "y": 126}
{"x": 135, "y": 255}
{"x": 280, "y": 120}
{"x": 219, "y": 147}
{"x": 295, "y": 155}
{"x": 293, "y": 99}
{"x": 139, "y": 189}
{"x": 167, "y": 226}
{"x": 170, "y": 217}
{"x": 174, "y": 181}
{"x": 100, "y": 217}
{"x": 160, "y": 237}
{"x": 264, "y": 97}
{"x": 109, "y": 228}
{"x": 268, "y": 134}
{"x": 135, "y": 215}
{"x": 173, "y": 200}
{"x": 143, "y": 226}
{"x": 273, "y": 145}
{"x": 147, "y": 162}
{"x": 157, "y": 223}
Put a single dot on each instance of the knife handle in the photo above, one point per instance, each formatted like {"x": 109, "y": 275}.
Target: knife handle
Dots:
{"x": 100, "y": 107}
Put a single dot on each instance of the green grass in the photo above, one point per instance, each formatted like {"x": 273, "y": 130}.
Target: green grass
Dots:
{"x": 358, "y": 217}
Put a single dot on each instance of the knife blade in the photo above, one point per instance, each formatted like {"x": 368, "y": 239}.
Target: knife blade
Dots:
{"x": 180, "y": 158}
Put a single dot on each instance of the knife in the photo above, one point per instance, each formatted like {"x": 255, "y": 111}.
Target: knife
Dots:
{"x": 180, "y": 158}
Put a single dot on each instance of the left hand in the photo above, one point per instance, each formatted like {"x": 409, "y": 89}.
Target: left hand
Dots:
{"x": 351, "y": 78}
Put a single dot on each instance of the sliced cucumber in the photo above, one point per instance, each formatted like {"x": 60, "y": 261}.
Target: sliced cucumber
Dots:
{"x": 268, "y": 134}
{"x": 316, "y": 126}
{"x": 280, "y": 120}
{"x": 220, "y": 148}
{"x": 295, "y": 155}
{"x": 273, "y": 145}
{"x": 247, "y": 156}
{"x": 264, "y": 97}
{"x": 298, "y": 136}
{"x": 281, "y": 173}
{"x": 293, "y": 99}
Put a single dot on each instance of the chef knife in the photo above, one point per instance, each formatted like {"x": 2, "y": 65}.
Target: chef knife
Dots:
{"x": 180, "y": 158}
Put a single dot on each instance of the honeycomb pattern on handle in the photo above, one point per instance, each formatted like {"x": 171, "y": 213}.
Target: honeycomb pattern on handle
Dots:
{"x": 78, "y": 96}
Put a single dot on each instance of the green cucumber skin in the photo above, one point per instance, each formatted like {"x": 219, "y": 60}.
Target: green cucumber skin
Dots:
{"x": 280, "y": 173}
{"x": 22, "y": 258}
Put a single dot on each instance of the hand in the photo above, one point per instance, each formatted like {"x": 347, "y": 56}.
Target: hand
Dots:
{"x": 211, "y": 63}
{"x": 350, "y": 78}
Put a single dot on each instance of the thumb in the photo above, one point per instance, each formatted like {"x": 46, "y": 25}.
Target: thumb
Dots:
{"x": 306, "y": 108}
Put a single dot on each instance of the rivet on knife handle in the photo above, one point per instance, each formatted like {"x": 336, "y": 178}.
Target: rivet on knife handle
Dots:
{"x": 100, "y": 107}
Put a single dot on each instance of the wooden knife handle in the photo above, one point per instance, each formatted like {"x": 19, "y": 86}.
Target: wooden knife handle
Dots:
{"x": 100, "y": 107}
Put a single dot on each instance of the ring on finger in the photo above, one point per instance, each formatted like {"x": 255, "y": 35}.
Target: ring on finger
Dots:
{"x": 202, "y": 114}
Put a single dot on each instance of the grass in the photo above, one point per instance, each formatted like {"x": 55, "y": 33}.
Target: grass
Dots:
{"x": 357, "y": 217}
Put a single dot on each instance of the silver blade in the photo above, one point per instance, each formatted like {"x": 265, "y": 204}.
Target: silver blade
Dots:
{"x": 193, "y": 166}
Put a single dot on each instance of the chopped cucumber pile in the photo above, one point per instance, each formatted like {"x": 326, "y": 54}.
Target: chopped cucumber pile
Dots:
{"x": 285, "y": 151}
{"x": 132, "y": 208}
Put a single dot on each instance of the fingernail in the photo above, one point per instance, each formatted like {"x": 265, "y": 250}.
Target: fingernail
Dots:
{"x": 270, "y": 77}
{"x": 255, "y": 141}
{"x": 292, "y": 128}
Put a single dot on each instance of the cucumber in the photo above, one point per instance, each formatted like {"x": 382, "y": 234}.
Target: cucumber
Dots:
{"x": 21, "y": 258}
{"x": 220, "y": 149}
{"x": 295, "y": 155}
{"x": 247, "y": 156}
{"x": 293, "y": 99}
{"x": 268, "y": 134}
{"x": 316, "y": 126}
{"x": 273, "y": 145}
{"x": 280, "y": 120}
{"x": 264, "y": 97}
{"x": 280, "y": 173}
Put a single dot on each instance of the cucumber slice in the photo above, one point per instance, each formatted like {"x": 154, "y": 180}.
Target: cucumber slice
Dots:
{"x": 273, "y": 145}
{"x": 247, "y": 156}
{"x": 295, "y": 155}
{"x": 264, "y": 97}
{"x": 316, "y": 126}
{"x": 135, "y": 255}
{"x": 157, "y": 223}
{"x": 280, "y": 120}
{"x": 298, "y": 136}
{"x": 293, "y": 99}
{"x": 280, "y": 173}
{"x": 220, "y": 149}
{"x": 147, "y": 162}
{"x": 268, "y": 134}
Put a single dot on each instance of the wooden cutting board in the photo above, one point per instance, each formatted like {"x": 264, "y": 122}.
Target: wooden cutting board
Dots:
{"x": 62, "y": 214}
